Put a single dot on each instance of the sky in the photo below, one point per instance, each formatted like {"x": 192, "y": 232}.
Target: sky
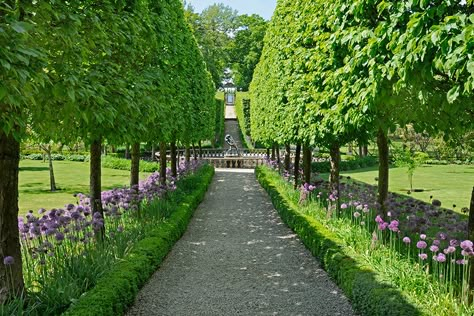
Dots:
{"x": 264, "y": 8}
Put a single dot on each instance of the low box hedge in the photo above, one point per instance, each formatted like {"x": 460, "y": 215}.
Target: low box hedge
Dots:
{"x": 117, "y": 289}
{"x": 369, "y": 294}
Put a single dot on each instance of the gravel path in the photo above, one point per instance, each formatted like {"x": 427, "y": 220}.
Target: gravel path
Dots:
{"x": 238, "y": 258}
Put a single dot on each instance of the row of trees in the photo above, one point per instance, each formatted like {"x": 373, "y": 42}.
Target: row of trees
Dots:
{"x": 124, "y": 71}
{"x": 336, "y": 72}
{"x": 228, "y": 40}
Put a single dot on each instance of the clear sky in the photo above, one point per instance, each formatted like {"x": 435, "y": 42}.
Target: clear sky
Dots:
{"x": 264, "y": 8}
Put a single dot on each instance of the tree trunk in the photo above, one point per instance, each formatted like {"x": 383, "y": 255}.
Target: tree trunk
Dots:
{"x": 297, "y": 164}
{"x": 307, "y": 155}
{"x": 382, "y": 144}
{"x": 278, "y": 154}
{"x": 471, "y": 237}
{"x": 95, "y": 177}
{"x": 11, "y": 277}
{"x": 52, "y": 181}
{"x": 273, "y": 152}
{"x": 135, "y": 165}
{"x": 365, "y": 150}
{"x": 360, "y": 151}
{"x": 334, "y": 175}
{"x": 174, "y": 167}
{"x": 287, "y": 157}
{"x": 350, "y": 149}
{"x": 187, "y": 155}
{"x": 127, "y": 151}
{"x": 268, "y": 153}
{"x": 200, "y": 149}
{"x": 153, "y": 152}
{"x": 195, "y": 152}
{"x": 163, "y": 163}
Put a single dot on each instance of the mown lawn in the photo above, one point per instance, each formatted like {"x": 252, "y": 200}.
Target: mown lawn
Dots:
{"x": 71, "y": 177}
{"x": 451, "y": 184}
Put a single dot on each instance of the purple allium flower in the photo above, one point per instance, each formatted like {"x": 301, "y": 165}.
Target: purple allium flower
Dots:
{"x": 423, "y": 256}
{"x": 359, "y": 207}
{"x": 453, "y": 242}
{"x": 436, "y": 242}
{"x": 356, "y": 214}
{"x": 461, "y": 261}
{"x": 8, "y": 260}
{"x": 406, "y": 240}
{"x": 343, "y": 206}
{"x": 441, "y": 257}
{"x": 434, "y": 248}
{"x": 423, "y": 236}
{"x": 394, "y": 226}
{"x": 449, "y": 250}
{"x": 379, "y": 220}
{"x": 466, "y": 244}
{"x": 421, "y": 244}
{"x": 466, "y": 252}
{"x": 383, "y": 226}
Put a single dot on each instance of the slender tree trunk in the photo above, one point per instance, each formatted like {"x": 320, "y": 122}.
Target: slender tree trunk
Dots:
{"x": 471, "y": 237}
{"x": 297, "y": 165}
{"x": 187, "y": 155}
{"x": 153, "y": 152}
{"x": 135, "y": 165}
{"x": 360, "y": 151}
{"x": 365, "y": 150}
{"x": 278, "y": 154}
{"x": 350, "y": 149}
{"x": 174, "y": 168}
{"x": 268, "y": 153}
{"x": 334, "y": 176}
{"x": 307, "y": 156}
{"x": 11, "y": 276}
{"x": 287, "y": 157}
{"x": 95, "y": 177}
{"x": 200, "y": 149}
{"x": 163, "y": 163}
{"x": 52, "y": 181}
{"x": 382, "y": 144}
{"x": 127, "y": 151}
{"x": 195, "y": 152}
{"x": 273, "y": 151}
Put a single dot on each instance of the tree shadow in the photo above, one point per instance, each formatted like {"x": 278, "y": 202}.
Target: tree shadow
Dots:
{"x": 34, "y": 168}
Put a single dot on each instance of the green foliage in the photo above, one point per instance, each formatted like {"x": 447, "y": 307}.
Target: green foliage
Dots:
{"x": 117, "y": 289}
{"x": 220, "y": 123}
{"x": 125, "y": 164}
{"x": 368, "y": 293}
{"x": 345, "y": 165}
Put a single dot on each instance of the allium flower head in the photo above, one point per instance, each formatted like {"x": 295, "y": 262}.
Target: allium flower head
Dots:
{"x": 466, "y": 244}
{"x": 8, "y": 260}
{"x": 421, "y": 244}
{"x": 356, "y": 214}
{"x": 343, "y": 206}
{"x": 406, "y": 240}
{"x": 434, "y": 248}
{"x": 423, "y": 256}
{"x": 423, "y": 236}
{"x": 441, "y": 257}
{"x": 449, "y": 250}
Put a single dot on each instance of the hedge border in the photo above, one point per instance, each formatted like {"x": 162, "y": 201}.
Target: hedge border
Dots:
{"x": 368, "y": 293}
{"x": 117, "y": 290}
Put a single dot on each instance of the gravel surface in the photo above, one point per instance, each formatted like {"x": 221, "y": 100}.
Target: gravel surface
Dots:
{"x": 238, "y": 258}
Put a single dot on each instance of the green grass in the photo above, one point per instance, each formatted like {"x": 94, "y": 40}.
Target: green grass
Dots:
{"x": 451, "y": 184}
{"x": 71, "y": 177}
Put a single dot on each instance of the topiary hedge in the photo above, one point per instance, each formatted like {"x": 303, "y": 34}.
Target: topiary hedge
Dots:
{"x": 345, "y": 165}
{"x": 369, "y": 294}
{"x": 117, "y": 290}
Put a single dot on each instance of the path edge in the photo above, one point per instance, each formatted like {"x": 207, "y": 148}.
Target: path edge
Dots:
{"x": 117, "y": 290}
{"x": 359, "y": 283}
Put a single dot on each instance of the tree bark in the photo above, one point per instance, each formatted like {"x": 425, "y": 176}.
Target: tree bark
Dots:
{"x": 268, "y": 153}
{"x": 307, "y": 155}
{"x": 278, "y": 154}
{"x": 163, "y": 163}
{"x": 287, "y": 156}
{"x": 127, "y": 151}
{"x": 187, "y": 155}
{"x": 135, "y": 165}
{"x": 11, "y": 277}
{"x": 174, "y": 167}
{"x": 200, "y": 149}
{"x": 195, "y": 152}
{"x": 365, "y": 150}
{"x": 52, "y": 181}
{"x": 273, "y": 152}
{"x": 382, "y": 144}
{"x": 360, "y": 151}
{"x": 296, "y": 171}
{"x": 334, "y": 175}
{"x": 95, "y": 177}
{"x": 471, "y": 237}
{"x": 153, "y": 152}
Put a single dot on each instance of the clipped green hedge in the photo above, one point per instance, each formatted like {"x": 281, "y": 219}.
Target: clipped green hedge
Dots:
{"x": 125, "y": 164}
{"x": 346, "y": 165}
{"x": 369, "y": 294}
{"x": 117, "y": 290}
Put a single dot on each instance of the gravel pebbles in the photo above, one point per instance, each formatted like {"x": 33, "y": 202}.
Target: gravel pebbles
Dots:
{"x": 238, "y": 258}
